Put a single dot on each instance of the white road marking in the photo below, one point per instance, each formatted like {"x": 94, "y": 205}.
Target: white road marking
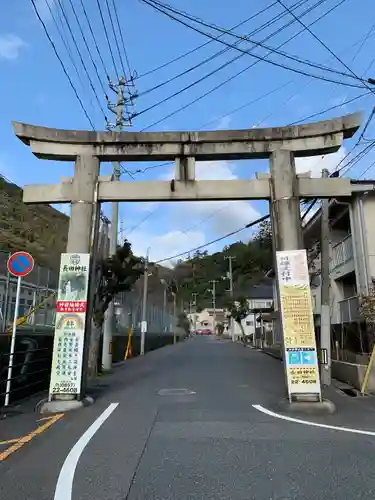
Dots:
{"x": 313, "y": 424}
{"x": 64, "y": 485}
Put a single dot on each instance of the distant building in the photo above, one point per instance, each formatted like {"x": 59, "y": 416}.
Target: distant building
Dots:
{"x": 260, "y": 300}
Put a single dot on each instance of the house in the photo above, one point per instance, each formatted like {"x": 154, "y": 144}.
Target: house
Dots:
{"x": 206, "y": 318}
{"x": 260, "y": 300}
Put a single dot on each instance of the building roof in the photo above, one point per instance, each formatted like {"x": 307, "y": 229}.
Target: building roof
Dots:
{"x": 263, "y": 290}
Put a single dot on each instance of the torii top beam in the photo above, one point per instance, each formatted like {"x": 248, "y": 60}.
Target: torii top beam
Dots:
{"x": 303, "y": 140}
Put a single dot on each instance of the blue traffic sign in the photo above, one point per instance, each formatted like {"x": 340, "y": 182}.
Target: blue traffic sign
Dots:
{"x": 294, "y": 358}
{"x": 20, "y": 264}
{"x": 308, "y": 357}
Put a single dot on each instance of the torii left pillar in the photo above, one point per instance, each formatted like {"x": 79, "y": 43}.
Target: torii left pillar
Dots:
{"x": 85, "y": 210}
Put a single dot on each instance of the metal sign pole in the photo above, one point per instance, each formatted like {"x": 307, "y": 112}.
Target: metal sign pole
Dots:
{"x": 13, "y": 342}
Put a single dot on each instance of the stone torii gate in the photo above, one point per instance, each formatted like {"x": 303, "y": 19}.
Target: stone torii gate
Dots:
{"x": 86, "y": 190}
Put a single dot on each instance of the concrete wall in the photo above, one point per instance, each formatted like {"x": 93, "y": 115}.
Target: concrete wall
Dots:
{"x": 353, "y": 374}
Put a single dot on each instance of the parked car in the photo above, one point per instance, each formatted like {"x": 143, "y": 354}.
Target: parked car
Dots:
{"x": 204, "y": 331}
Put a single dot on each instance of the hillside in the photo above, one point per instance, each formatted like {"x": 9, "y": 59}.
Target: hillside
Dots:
{"x": 251, "y": 261}
{"x": 38, "y": 229}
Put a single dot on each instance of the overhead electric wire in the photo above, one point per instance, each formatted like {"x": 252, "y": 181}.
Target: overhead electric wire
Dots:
{"x": 81, "y": 58}
{"x": 245, "y": 38}
{"x": 319, "y": 40}
{"x": 108, "y": 40}
{"x": 94, "y": 39}
{"x": 116, "y": 41}
{"x": 185, "y": 54}
{"x": 155, "y": 4}
{"x": 62, "y": 33}
{"x": 86, "y": 45}
{"x": 233, "y": 76}
{"x": 348, "y": 101}
{"x": 62, "y": 65}
{"x": 122, "y": 38}
{"x": 223, "y": 51}
{"x": 232, "y": 233}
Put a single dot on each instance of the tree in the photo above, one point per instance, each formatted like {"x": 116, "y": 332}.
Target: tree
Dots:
{"x": 115, "y": 274}
{"x": 183, "y": 322}
{"x": 238, "y": 310}
{"x": 220, "y": 328}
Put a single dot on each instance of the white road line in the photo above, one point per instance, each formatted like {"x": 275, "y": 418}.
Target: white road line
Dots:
{"x": 64, "y": 485}
{"x": 313, "y": 424}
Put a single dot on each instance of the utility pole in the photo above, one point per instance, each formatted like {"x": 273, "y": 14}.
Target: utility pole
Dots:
{"x": 164, "y": 305}
{"x": 325, "y": 315}
{"x": 174, "y": 317}
{"x": 109, "y": 320}
{"x": 214, "y": 305}
{"x": 230, "y": 276}
{"x": 195, "y": 310}
{"x": 144, "y": 307}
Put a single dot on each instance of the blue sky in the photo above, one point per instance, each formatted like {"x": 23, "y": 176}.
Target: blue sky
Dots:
{"x": 34, "y": 89}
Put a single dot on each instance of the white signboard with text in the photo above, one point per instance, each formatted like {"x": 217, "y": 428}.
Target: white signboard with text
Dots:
{"x": 301, "y": 358}
{"x": 71, "y": 305}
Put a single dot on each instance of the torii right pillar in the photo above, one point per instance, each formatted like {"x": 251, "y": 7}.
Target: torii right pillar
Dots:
{"x": 293, "y": 290}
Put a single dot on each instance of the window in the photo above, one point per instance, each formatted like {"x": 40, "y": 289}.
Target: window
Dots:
{"x": 249, "y": 323}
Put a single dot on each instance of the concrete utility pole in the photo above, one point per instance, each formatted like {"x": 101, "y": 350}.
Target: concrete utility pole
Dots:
{"x": 230, "y": 276}
{"x": 164, "y": 283}
{"x": 109, "y": 320}
{"x": 174, "y": 317}
{"x": 214, "y": 304}
{"x": 325, "y": 315}
{"x": 144, "y": 307}
{"x": 195, "y": 310}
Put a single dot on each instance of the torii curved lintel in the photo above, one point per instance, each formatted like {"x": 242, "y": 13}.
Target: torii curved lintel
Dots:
{"x": 304, "y": 140}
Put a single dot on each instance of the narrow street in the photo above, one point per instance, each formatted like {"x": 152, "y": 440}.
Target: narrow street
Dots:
{"x": 180, "y": 424}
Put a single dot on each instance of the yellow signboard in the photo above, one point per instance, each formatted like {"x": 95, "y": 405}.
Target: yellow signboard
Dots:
{"x": 298, "y": 323}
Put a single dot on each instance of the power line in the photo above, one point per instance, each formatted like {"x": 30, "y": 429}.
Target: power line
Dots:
{"x": 62, "y": 65}
{"x": 233, "y": 76}
{"x": 321, "y": 42}
{"x": 108, "y": 40}
{"x": 86, "y": 45}
{"x": 185, "y": 54}
{"x": 155, "y": 4}
{"x": 62, "y": 31}
{"x": 116, "y": 39}
{"x": 348, "y": 101}
{"x": 94, "y": 39}
{"x": 80, "y": 57}
{"x": 247, "y": 226}
{"x": 223, "y": 51}
{"x": 122, "y": 38}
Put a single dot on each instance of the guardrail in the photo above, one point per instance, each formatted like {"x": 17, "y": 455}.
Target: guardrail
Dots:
{"x": 31, "y": 372}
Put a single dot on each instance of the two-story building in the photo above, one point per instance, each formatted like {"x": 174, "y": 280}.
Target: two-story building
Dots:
{"x": 352, "y": 255}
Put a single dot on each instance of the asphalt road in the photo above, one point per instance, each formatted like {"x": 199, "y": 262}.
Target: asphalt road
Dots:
{"x": 202, "y": 440}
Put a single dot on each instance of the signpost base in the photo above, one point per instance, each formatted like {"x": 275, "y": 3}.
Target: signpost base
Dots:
{"x": 324, "y": 407}
{"x": 61, "y": 406}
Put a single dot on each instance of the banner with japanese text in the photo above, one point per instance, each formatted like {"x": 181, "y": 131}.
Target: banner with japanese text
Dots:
{"x": 71, "y": 306}
{"x": 298, "y": 323}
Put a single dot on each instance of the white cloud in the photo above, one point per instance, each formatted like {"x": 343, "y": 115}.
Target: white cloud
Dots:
{"x": 167, "y": 245}
{"x": 10, "y": 46}
{"x": 221, "y": 216}
{"x": 315, "y": 164}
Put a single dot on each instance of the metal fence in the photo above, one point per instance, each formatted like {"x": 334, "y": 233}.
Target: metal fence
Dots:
{"x": 30, "y": 371}
{"x": 35, "y": 288}
{"x": 42, "y": 283}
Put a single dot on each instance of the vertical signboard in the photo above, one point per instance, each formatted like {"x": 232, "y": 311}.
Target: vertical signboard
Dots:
{"x": 71, "y": 305}
{"x": 298, "y": 324}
